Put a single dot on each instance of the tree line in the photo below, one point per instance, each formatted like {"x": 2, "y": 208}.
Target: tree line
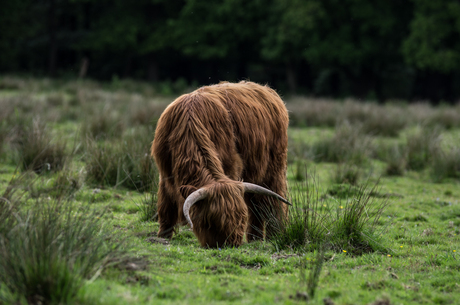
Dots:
{"x": 379, "y": 49}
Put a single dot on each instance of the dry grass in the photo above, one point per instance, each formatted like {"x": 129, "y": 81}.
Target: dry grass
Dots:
{"x": 38, "y": 152}
{"x": 313, "y": 112}
{"x": 126, "y": 162}
{"x": 446, "y": 164}
{"x": 396, "y": 161}
{"x": 421, "y": 145}
{"x": 348, "y": 145}
{"x": 374, "y": 119}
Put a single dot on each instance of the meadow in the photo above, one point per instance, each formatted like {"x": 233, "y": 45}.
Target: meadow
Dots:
{"x": 374, "y": 187}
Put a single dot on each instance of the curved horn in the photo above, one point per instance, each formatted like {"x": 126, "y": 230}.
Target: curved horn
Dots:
{"x": 191, "y": 200}
{"x": 257, "y": 189}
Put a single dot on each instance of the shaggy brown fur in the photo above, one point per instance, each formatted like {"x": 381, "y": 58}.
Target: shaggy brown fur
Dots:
{"x": 216, "y": 137}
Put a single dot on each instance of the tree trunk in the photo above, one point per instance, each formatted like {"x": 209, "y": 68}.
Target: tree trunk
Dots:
{"x": 152, "y": 70}
{"x": 52, "y": 56}
{"x": 128, "y": 67}
{"x": 291, "y": 77}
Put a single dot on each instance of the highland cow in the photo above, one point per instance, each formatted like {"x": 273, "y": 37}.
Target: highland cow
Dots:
{"x": 222, "y": 154}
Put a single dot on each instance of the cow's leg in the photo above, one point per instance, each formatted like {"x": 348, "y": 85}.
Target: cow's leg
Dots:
{"x": 255, "y": 229}
{"x": 167, "y": 212}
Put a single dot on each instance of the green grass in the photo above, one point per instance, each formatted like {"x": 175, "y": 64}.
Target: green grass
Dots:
{"x": 414, "y": 244}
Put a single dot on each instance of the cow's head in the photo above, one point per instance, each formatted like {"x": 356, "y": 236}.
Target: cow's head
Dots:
{"x": 219, "y": 215}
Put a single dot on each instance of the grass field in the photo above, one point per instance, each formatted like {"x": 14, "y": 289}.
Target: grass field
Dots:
{"x": 375, "y": 188}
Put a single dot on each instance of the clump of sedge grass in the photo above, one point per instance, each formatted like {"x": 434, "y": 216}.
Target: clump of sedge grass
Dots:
{"x": 348, "y": 145}
{"x": 396, "y": 161}
{"x": 66, "y": 183}
{"x": 313, "y": 112}
{"x": 421, "y": 145}
{"x": 342, "y": 191}
{"x": 126, "y": 163}
{"x": 304, "y": 225}
{"x": 55, "y": 99}
{"x": 315, "y": 266}
{"x": 48, "y": 251}
{"x": 148, "y": 210}
{"x": 447, "y": 117}
{"x": 356, "y": 221}
{"x": 346, "y": 173}
{"x": 385, "y": 121}
{"x": 300, "y": 171}
{"x": 37, "y": 151}
{"x": 103, "y": 125}
{"x": 341, "y": 223}
{"x": 3, "y": 137}
{"x": 146, "y": 115}
{"x": 298, "y": 151}
{"x": 102, "y": 163}
{"x": 11, "y": 83}
{"x": 139, "y": 166}
{"x": 446, "y": 164}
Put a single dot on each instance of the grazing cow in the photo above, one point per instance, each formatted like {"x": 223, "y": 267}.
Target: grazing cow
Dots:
{"x": 221, "y": 150}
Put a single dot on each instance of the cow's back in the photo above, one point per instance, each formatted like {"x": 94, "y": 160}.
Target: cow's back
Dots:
{"x": 246, "y": 125}
{"x": 260, "y": 121}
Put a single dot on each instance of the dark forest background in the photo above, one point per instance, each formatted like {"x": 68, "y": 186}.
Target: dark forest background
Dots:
{"x": 379, "y": 49}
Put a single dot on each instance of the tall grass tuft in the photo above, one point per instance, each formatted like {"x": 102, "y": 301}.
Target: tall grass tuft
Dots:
{"x": 298, "y": 151}
{"x": 315, "y": 266}
{"x": 348, "y": 145}
{"x": 447, "y": 117}
{"x": 313, "y": 112}
{"x": 346, "y": 173}
{"x": 147, "y": 207}
{"x": 125, "y": 163}
{"x": 340, "y": 223}
{"x": 356, "y": 221}
{"x": 37, "y": 151}
{"x": 103, "y": 125}
{"x": 385, "y": 121}
{"x": 3, "y": 137}
{"x": 51, "y": 248}
{"x": 396, "y": 161}
{"x": 421, "y": 146}
{"x": 6, "y": 215}
{"x": 102, "y": 163}
{"x": 66, "y": 183}
{"x": 306, "y": 224}
{"x": 446, "y": 164}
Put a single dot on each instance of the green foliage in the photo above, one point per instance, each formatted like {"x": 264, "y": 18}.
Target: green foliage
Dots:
{"x": 376, "y": 50}
{"x": 433, "y": 41}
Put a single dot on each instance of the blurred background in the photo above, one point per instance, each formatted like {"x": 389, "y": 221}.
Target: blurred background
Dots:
{"x": 374, "y": 50}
